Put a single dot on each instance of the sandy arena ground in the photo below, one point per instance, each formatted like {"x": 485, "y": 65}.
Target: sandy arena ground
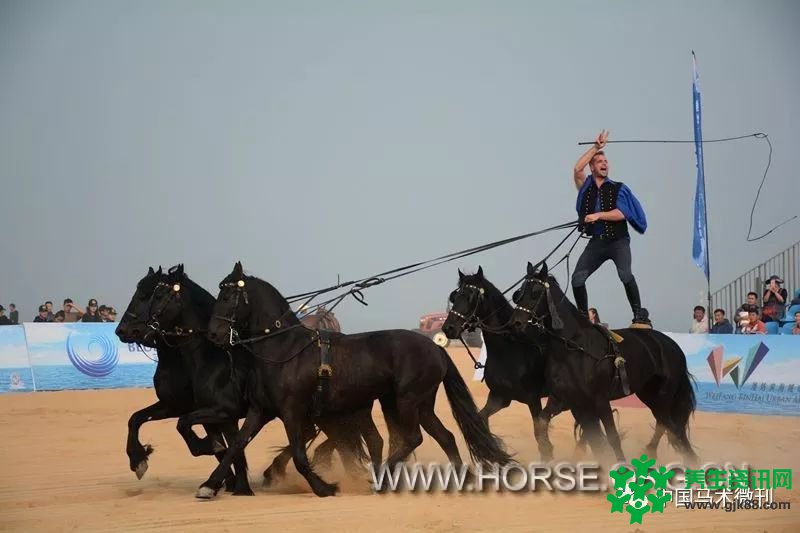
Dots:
{"x": 66, "y": 470}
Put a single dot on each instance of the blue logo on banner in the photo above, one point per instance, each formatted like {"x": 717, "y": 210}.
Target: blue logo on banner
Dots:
{"x": 97, "y": 368}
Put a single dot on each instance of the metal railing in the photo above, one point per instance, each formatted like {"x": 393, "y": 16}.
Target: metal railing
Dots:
{"x": 786, "y": 264}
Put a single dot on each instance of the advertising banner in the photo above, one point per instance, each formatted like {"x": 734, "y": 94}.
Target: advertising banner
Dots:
{"x": 85, "y": 356}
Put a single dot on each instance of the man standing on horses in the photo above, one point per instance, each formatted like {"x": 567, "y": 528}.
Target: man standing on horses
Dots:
{"x": 605, "y": 209}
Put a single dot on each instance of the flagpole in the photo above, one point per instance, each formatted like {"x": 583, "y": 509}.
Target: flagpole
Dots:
{"x": 701, "y": 185}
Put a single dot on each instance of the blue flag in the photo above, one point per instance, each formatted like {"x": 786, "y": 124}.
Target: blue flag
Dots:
{"x": 700, "y": 229}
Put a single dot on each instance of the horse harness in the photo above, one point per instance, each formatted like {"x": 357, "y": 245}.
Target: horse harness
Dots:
{"x": 621, "y": 374}
{"x": 320, "y": 336}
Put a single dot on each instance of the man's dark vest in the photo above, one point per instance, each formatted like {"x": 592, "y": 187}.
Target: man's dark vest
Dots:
{"x": 608, "y": 202}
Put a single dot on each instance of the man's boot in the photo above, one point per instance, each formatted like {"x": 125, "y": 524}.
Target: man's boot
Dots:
{"x": 581, "y": 299}
{"x": 641, "y": 317}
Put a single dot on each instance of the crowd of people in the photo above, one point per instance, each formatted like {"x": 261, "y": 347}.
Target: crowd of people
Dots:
{"x": 752, "y": 317}
{"x": 69, "y": 312}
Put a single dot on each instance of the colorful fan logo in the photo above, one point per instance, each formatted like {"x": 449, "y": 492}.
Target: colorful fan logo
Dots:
{"x": 732, "y": 367}
{"x": 94, "y": 367}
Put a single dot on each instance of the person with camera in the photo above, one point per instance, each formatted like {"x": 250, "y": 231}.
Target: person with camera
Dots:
{"x": 774, "y": 300}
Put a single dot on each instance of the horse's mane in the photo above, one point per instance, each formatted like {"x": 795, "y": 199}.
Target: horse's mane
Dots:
{"x": 495, "y": 298}
{"x": 564, "y": 304}
{"x": 204, "y": 301}
{"x": 268, "y": 292}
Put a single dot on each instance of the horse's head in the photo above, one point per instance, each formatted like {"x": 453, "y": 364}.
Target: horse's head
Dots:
{"x": 232, "y": 309}
{"x": 534, "y": 301}
{"x": 133, "y": 325}
{"x": 246, "y": 303}
{"x": 466, "y": 304}
{"x": 167, "y": 304}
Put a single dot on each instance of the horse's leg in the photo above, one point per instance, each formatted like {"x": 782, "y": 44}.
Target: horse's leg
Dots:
{"x": 323, "y": 454}
{"x": 494, "y": 403}
{"x": 138, "y": 454}
{"x": 372, "y": 437}
{"x": 407, "y": 435}
{"x": 444, "y": 437}
{"x": 240, "y": 485}
{"x": 652, "y": 447}
{"x": 207, "y": 415}
{"x": 296, "y": 425}
{"x": 277, "y": 469}
{"x": 253, "y": 423}
{"x": 389, "y": 408}
{"x": 607, "y": 417}
{"x": 590, "y": 423}
{"x": 214, "y": 434}
{"x": 540, "y": 430}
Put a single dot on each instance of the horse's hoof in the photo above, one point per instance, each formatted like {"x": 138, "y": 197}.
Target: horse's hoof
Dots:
{"x": 205, "y": 493}
{"x": 141, "y": 468}
{"x": 270, "y": 478}
{"x": 230, "y": 486}
{"x": 327, "y": 489}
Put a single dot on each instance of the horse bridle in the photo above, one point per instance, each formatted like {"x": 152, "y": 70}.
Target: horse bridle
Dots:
{"x": 469, "y": 321}
{"x": 174, "y": 292}
{"x": 233, "y": 337}
{"x": 535, "y": 320}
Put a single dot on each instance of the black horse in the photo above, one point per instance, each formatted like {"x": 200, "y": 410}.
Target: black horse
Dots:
{"x": 515, "y": 367}
{"x": 586, "y": 371}
{"x": 172, "y": 383}
{"x": 401, "y": 369}
{"x": 179, "y": 312}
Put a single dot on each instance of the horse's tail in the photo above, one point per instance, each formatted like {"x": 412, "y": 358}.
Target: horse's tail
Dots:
{"x": 484, "y": 447}
{"x": 682, "y": 409}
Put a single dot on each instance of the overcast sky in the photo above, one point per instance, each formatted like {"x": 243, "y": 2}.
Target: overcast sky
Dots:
{"x": 313, "y": 138}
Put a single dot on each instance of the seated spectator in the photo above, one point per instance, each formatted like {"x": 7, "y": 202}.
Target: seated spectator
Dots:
{"x": 112, "y": 314}
{"x": 13, "y": 314}
{"x": 742, "y": 319}
{"x": 594, "y": 318}
{"x": 59, "y": 317}
{"x": 72, "y": 313}
{"x": 755, "y": 326}
{"x": 49, "y": 305}
{"x": 699, "y": 324}
{"x": 91, "y": 314}
{"x": 42, "y": 316}
{"x": 103, "y": 313}
{"x": 4, "y": 320}
{"x": 721, "y": 324}
{"x": 774, "y": 300}
{"x": 752, "y": 301}
{"x": 796, "y": 328}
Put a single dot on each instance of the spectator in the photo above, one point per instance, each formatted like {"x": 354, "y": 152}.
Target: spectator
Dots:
{"x": 49, "y": 305}
{"x": 742, "y": 319}
{"x": 774, "y": 299}
{"x": 112, "y": 314}
{"x": 91, "y": 314}
{"x": 103, "y": 313}
{"x": 59, "y": 317}
{"x": 72, "y": 313}
{"x": 755, "y": 326}
{"x": 594, "y": 317}
{"x": 721, "y": 324}
{"x": 13, "y": 314}
{"x": 796, "y": 328}
{"x": 752, "y": 301}
{"x": 699, "y": 324}
{"x": 4, "y": 320}
{"x": 42, "y": 316}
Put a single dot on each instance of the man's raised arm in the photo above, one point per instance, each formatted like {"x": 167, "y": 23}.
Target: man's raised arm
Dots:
{"x": 577, "y": 173}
